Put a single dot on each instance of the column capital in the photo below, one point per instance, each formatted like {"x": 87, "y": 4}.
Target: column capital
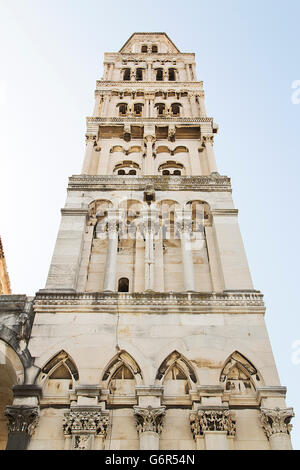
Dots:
{"x": 149, "y": 419}
{"x": 85, "y": 421}
{"x": 22, "y": 418}
{"x": 276, "y": 420}
{"x": 207, "y": 139}
{"x": 212, "y": 420}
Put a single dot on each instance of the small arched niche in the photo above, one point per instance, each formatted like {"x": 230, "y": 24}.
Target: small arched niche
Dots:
{"x": 240, "y": 376}
{"x": 123, "y": 284}
{"x": 176, "y": 375}
{"x": 122, "y": 375}
{"x": 58, "y": 376}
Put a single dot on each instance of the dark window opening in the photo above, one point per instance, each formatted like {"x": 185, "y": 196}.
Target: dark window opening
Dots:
{"x": 154, "y": 49}
{"x": 175, "y": 109}
{"x": 165, "y": 172}
{"x": 172, "y": 76}
{"x": 144, "y": 49}
{"x": 139, "y": 74}
{"x": 177, "y": 172}
{"x": 123, "y": 284}
{"x": 122, "y": 109}
{"x": 159, "y": 75}
{"x": 160, "y": 109}
{"x": 126, "y": 75}
{"x": 132, "y": 172}
{"x": 121, "y": 172}
{"x": 138, "y": 109}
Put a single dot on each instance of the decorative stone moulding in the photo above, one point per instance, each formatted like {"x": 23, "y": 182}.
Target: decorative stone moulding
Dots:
{"x": 135, "y": 183}
{"x": 83, "y": 426}
{"x": 212, "y": 420}
{"x": 276, "y": 421}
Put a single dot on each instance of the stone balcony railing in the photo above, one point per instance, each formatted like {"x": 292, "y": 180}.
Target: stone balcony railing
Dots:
{"x": 150, "y": 302}
{"x": 213, "y": 182}
{"x": 141, "y": 119}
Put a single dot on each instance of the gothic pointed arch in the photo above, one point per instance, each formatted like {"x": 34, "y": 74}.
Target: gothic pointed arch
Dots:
{"x": 176, "y": 374}
{"x": 58, "y": 375}
{"x": 122, "y": 366}
{"x": 239, "y": 375}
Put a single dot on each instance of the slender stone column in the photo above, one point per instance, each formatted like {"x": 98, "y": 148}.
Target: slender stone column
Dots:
{"x": 276, "y": 424}
{"x": 149, "y": 139}
{"x": 188, "y": 75}
{"x": 89, "y": 152}
{"x": 111, "y": 256}
{"x": 217, "y": 426}
{"x": 202, "y": 104}
{"x": 105, "y": 105}
{"x": 185, "y": 229}
{"x": 150, "y": 227}
{"x": 207, "y": 142}
{"x": 194, "y": 105}
{"x": 22, "y": 421}
{"x": 149, "y": 423}
{"x": 97, "y": 104}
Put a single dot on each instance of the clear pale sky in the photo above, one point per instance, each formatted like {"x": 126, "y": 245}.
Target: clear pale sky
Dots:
{"x": 247, "y": 54}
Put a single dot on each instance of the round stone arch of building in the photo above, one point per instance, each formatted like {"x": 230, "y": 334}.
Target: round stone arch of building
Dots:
{"x": 11, "y": 373}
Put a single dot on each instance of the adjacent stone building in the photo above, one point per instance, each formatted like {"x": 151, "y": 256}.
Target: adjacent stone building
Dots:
{"x": 149, "y": 333}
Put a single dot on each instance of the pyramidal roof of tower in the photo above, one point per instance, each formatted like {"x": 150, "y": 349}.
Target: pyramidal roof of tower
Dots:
{"x": 146, "y": 37}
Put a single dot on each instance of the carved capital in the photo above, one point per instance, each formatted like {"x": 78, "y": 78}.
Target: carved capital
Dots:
{"x": 276, "y": 420}
{"x": 85, "y": 422}
{"x": 212, "y": 420}
{"x": 22, "y": 418}
{"x": 149, "y": 419}
{"x": 91, "y": 138}
{"x": 207, "y": 139}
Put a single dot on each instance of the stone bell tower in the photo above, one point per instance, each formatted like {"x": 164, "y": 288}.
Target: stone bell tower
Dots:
{"x": 149, "y": 333}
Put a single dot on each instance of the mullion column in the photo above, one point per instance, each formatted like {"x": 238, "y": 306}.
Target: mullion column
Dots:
{"x": 185, "y": 229}
{"x": 111, "y": 255}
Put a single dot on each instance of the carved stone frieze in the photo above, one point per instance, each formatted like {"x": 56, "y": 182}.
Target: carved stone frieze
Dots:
{"x": 212, "y": 420}
{"x": 22, "y": 418}
{"x": 90, "y": 422}
{"x": 276, "y": 420}
{"x": 149, "y": 419}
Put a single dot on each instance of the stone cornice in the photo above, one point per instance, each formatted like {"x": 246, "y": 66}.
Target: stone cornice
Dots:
{"x": 159, "y": 183}
{"x": 155, "y": 85}
{"x": 150, "y": 302}
{"x": 142, "y": 120}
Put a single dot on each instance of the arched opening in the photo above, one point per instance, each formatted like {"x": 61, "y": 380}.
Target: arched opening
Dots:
{"x": 122, "y": 109}
{"x": 175, "y": 109}
{"x": 139, "y": 74}
{"x": 240, "y": 376}
{"x": 121, "y": 172}
{"x": 172, "y": 167}
{"x": 132, "y": 172}
{"x": 165, "y": 172}
{"x": 126, "y": 75}
{"x": 121, "y": 375}
{"x": 123, "y": 284}
{"x": 127, "y": 167}
{"x": 144, "y": 49}
{"x": 11, "y": 373}
{"x": 138, "y": 109}
{"x": 154, "y": 49}
{"x": 159, "y": 75}
{"x": 176, "y": 374}
{"x": 161, "y": 107}
{"x": 59, "y": 376}
{"x": 172, "y": 75}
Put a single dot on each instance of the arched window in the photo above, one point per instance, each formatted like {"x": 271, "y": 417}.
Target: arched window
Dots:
{"x": 144, "y": 49}
{"x": 154, "y": 49}
{"x": 165, "y": 172}
{"x": 159, "y": 75}
{"x": 126, "y": 74}
{"x": 172, "y": 75}
{"x": 122, "y": 109}
{"x": 160, "y": 109}
{"x": 139, "y": 74}
{"x": 171, "y": 168}
{"x": 176, "y": 172}
{"x": 138, "y": 109}
{"x": 127, "y": 167}
{"x": 132, "y": 172}
{"x": 121, "y": 172}
{"x": 123, "y": 284}
{"x": 175, "y": 109}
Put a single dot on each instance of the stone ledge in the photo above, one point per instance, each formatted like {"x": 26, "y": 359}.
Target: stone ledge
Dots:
{"x": 159, "y": 183}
